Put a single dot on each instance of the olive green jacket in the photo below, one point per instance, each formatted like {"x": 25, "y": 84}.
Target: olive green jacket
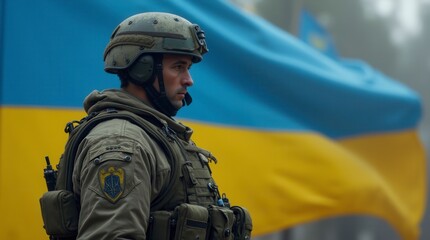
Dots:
{"x": 119, "y": 170}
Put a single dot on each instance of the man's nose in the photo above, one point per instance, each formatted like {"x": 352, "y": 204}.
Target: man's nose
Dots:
{"x": 187, "y": 79}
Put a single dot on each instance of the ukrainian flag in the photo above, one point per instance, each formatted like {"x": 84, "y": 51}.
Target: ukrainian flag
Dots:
{"x": 315, "y": 35}
{"x": 299, "y": 136}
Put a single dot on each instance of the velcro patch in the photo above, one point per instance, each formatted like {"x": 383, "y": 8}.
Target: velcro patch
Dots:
{"x": 112, "y": 182}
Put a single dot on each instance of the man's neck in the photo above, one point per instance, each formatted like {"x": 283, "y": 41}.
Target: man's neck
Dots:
{"x": 138, "y": 92}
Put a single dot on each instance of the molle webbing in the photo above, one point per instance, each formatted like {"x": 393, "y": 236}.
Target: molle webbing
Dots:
{"x": 197, "y": 175}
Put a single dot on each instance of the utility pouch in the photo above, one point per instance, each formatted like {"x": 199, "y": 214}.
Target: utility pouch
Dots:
{"x": 191, "y": 222}
{"x": 221, "y": 223}
{"x": 60, "y": 213}
{"x": 160, "y": 225}
{"x": 242, "y": 227}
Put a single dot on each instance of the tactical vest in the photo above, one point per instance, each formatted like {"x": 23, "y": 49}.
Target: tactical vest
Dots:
{"x": 204, "y": 215}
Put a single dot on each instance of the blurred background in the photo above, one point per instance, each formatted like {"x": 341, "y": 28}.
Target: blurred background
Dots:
{"x": 391, "y": 36}
{"x": 330, "y": 133}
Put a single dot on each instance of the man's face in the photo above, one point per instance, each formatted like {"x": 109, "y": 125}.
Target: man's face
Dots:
{"x": 176, "y": 77}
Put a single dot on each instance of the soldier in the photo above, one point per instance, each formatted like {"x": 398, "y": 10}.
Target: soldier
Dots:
{"x": 142, "y": 177}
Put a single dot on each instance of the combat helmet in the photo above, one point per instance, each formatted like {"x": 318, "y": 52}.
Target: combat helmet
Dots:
{"x": 137, "y": 46}
{"x": 153, "y": 32}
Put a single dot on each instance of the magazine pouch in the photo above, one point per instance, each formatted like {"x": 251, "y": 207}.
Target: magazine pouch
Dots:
{"x": 60, "y": 214}
{"x": 160, "y": 225}
{"x": 191, "y": 222}
{"x": 221, "y": 223}
{"x": 187, "y": 221}
{"x": 243, "y": 223}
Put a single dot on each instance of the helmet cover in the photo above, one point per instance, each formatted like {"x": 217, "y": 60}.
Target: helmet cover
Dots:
{"x": 153, "y": 32}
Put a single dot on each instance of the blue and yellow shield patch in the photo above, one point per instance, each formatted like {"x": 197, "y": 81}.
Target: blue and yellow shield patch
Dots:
{"x": 112, "y": 183}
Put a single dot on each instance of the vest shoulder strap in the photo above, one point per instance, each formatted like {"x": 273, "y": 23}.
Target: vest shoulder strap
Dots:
{"x": 154, "y": 127}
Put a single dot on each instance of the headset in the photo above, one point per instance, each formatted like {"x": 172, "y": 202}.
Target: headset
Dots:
{"x": 142, "y": 70}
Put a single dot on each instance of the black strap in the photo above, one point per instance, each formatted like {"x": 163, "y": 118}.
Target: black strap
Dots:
{"x": 161, "y": 136}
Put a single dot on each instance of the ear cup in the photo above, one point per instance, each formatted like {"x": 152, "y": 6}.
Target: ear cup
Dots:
{"x": 142, "y": 69}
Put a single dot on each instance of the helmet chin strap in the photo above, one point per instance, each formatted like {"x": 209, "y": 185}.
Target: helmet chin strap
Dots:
{"x": 159, "y": 99}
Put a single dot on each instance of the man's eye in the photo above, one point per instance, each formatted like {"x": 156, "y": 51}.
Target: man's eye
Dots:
{"x": 181, "y": 67}
{"x": 178, "y": 67}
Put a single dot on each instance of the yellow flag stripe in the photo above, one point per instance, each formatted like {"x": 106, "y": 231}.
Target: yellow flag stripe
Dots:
{"x": 283, "y": 178}
{"x": 290, "y": 178}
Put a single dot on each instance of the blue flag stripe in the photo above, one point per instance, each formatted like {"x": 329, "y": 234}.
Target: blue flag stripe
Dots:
{"x": 255, "y": 75}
